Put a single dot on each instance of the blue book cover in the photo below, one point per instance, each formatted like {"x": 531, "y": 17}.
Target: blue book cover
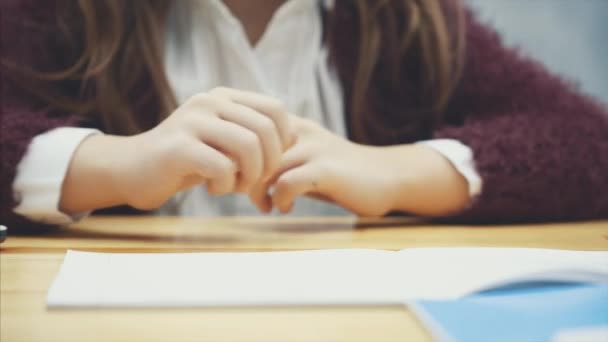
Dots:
{"x": 526, "y": 312}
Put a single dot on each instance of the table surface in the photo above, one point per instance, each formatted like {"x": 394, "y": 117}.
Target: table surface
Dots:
{"x": 28, "y": 265}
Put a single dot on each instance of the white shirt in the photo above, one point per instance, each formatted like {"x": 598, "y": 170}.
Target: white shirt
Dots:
{"x": 207, "y": 47}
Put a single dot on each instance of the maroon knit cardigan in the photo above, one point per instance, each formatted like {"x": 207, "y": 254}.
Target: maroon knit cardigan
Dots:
{"x": 540, "y": 146}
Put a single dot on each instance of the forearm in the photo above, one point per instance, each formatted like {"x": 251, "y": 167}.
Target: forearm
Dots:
{"x": 91, "y": 180}
{"x": 426, "y": 183}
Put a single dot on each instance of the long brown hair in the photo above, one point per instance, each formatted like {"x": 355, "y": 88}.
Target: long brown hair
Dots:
{"x": 117, "y": 42}
{"x": 410, "y": 55}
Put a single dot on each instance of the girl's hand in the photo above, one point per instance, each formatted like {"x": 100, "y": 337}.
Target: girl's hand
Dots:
{"x": 367, "y": 180}
{"x": 226, "y": 138}
{"x": 328, "y": 167}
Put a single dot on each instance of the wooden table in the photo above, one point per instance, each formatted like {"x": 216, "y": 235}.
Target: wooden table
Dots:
{"x": 28, "y": 264}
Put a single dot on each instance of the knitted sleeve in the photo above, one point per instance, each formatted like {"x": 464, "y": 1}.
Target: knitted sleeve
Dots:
{"x": 540, "y": 146}
{"x": 28, "y": 38}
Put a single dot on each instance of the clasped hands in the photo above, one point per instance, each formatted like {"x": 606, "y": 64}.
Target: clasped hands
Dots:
{"x": 238, "y": 141}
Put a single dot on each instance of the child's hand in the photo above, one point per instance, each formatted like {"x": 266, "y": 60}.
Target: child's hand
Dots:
{"x": 367, "y": 180}
{"x": 326, "y": 166}
{"x": 226, "y": 138}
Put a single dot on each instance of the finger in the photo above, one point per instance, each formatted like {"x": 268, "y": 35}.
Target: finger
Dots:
{"x": 261, "y": 125}
{"x": 241, "y": 144}
{"x": 191, "y": 181}
{"x": 267, "y": 105}
{"x": 294, "y": 157}
{"x": 259, "y": 196}
{"x": 209, "y": 164}
{"x": 295, "y": 182}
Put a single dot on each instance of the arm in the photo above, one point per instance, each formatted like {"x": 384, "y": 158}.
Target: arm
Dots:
{"x": 27, "y": 37}
{"x": 540, "y": 147}
{"x": 90, "y": 181}
{"x": 204, "y": 141}
{"x": 41, "y": 172}
{"x": 367, "y": 180}
{"x": 428, "y": 181}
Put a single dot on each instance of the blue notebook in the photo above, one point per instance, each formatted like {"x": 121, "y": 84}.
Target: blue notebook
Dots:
{"x": 527, "y": 312}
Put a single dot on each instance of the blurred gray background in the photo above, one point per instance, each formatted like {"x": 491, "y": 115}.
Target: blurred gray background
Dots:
{"x": 569, "y": 36}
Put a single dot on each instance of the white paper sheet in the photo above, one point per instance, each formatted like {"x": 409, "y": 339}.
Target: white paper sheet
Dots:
{"x": 319, "y": 277}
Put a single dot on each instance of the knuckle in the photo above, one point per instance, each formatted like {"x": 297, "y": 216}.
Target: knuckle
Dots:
{"x": 200, "y": 99}
{"x": 205, "y": 100}
{"x": 266, "y": 126}
{"x": 225, "y": 168}
{"x": 220, "y": 91}
{"x": 191, "y": 124}
{"x": 250, "y": 141}
{"x": 278, "y": 105}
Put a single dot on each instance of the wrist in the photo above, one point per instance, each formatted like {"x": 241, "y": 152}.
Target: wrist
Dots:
{"x": 425, "y": 182}
{"x": 96, "y": 175}
{"x": 118, "y": 166}
{"x": 388, "y": 169}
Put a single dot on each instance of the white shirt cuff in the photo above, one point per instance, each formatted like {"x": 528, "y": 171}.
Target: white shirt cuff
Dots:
{"x": 461, "y": 157}
{"x": 40, "y": 175}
